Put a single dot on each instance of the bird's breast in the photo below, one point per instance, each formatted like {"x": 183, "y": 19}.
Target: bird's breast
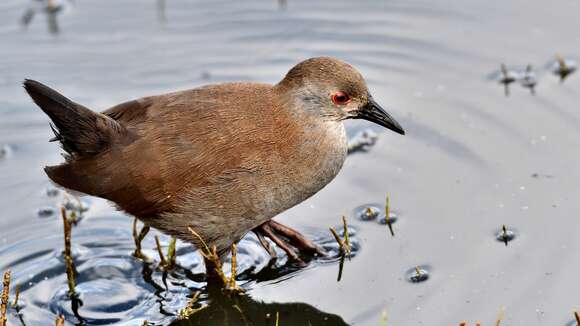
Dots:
{"x": 317, "y": 157}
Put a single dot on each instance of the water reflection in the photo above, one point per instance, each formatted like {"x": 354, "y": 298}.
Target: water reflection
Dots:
{"x": 114, "y": 287}
{"x": 244, "y": 310}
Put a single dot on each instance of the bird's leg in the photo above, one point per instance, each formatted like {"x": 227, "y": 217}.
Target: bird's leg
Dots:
{"x": 286, "y": 238}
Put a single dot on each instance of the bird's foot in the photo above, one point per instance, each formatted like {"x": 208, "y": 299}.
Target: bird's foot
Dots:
{"x": 287, "y": 239}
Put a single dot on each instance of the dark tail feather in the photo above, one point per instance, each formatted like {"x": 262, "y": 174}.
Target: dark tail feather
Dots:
{"x": 81, "y": 131}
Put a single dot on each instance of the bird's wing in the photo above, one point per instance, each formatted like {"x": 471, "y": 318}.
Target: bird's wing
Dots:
{"x": 203, "y": 139}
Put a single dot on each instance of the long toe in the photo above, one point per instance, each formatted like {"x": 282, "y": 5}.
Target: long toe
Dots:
{"x": 296, "y": 238}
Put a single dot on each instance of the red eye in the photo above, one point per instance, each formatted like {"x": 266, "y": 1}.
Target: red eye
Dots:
{"x": 340, "y": 98}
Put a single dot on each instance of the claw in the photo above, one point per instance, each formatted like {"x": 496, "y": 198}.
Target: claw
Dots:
{"x": 266, "y": 245}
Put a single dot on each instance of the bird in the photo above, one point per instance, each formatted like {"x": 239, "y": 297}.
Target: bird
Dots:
{"x": 220, "y": 159}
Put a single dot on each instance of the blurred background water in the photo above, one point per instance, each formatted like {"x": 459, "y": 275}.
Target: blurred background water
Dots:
{"x": 472, "y": 161}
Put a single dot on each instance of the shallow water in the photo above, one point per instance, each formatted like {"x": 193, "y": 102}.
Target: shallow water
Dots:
{"x": 472, "y": 161}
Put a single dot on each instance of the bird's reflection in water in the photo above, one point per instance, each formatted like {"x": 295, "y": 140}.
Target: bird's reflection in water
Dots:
{"x": 52, "y": 8}
{"x": 243, "y": 311}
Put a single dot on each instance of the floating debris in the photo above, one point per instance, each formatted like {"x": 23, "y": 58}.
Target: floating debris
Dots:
{"x": 529, "y": 79}
{"x": 370, "y": 212}
{"x": 70, "y": 270}
{"x": 418, "y": 274}
{"x": 362, "y": 141}
{"x": 138, "y": 238}
{"x": 45, "y": 212}
{"x": 367, "y": 212}
{"x": 563, "y": 67}
{"x": 505, "y": 235}
{"x": 5, "y": 298}
{"x": 506, "y": 78}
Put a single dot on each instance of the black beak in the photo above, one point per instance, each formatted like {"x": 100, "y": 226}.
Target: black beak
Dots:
{"x": 373, "y": 112}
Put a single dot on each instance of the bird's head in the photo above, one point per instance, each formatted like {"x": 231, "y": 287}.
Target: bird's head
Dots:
{"x": 334, "y": 90}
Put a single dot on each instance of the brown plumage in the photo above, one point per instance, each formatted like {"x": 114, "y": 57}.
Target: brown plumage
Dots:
{"x": 222, "y": 159}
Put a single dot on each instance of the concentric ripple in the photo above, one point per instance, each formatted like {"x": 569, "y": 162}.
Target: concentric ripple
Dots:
{"x": 114, "y": 287}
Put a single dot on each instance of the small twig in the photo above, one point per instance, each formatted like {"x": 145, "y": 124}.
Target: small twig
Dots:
{"x": 145, "y": 323}
{"x": 577, "y": 315}
{"x": 277, "y": 317}
{"x": 388, "y": 215}
{"x": 138, "y": 238}
{"x": 477, "y": 323}
{"x": 160, "y": 252}
{"x": 16, "y": 297}
{"x": 341, "y": 245}
{"x": 463, "y": 323}
{"x": 234, "y": 267}
{"x": 346, "y": 239}
{"x": 340, "y": 268}
{"x": 171, "y": 254}
{"x": 504, "y": 234}
{"x": 189, "y": 311}
{"x": 5, "y": 298}
{"x": 70, "y": 272}
{"x": 59, "y": 320}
